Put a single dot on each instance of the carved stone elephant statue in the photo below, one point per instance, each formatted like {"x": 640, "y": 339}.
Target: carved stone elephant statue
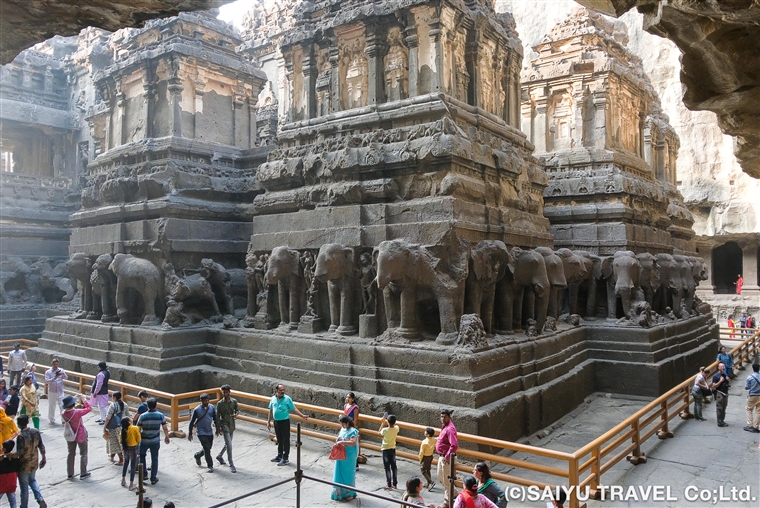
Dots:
{"x": 193, "y": 297}
{"x": 699, "y": 272}
{"x": 79, "y": 267}
{"x": 53, "y": 285}
{"x": 141, "y": 276}
{"x": 578, "y": 268}
{"x": 284, "y": 269}
{"x": 488, "y": 264}
{"x": 335, "y": 265}
{"x": 555, "y": 270}
{"x": 649, "y": 276}
{"x": 526, "y": 271}
{"x": 670, "y": 292}
{"x": 689, "y": 285}
{"x": 220, "y": 282}
{"x": 107, "y": 281}
{"x": 13, "y": 268}
{"x": 411, "y": 269}
{"x": 622, "y": 274}
{"x": 97, "y": 303}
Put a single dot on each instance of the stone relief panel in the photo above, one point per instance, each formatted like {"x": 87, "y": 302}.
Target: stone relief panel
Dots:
{"x": 396, "y": 67}
{"x": 352, "y": 67}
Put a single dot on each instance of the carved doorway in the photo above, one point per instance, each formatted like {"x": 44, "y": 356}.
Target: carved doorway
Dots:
{"x": 727, "y": 263}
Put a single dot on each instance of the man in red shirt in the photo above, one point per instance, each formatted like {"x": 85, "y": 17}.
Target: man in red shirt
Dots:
{"x": 445, "y": 447}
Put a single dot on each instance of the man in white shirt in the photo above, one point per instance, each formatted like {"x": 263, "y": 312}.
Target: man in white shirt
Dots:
{"x": 54, "y": 379}
{"x": 16, "y": 364}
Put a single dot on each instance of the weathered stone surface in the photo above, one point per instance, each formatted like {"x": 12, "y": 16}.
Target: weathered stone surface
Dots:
{"x": 719, "y": 65}
{"x": 27, "y": 23}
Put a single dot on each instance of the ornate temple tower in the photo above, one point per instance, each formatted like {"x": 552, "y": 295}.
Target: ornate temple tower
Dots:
{"x": 174, "y": 133}
{"x": 401, "y": 123}
{"x": 607, "y": 147}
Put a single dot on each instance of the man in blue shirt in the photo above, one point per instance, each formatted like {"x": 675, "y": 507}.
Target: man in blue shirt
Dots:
{"x": 203, "y": 416}
{"x": 150, "y": 424}
{"x": 720, "y": 386}
{"x": 753, "y": 399}
{"x": 280, "y": 408}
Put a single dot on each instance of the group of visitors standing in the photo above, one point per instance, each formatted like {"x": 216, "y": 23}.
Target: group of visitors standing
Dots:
{"x": 746, "y": 322}
{"x": 718, "y": 385}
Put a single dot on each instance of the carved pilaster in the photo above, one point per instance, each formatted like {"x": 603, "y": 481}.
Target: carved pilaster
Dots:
{"x": 175, "y": 91}
{"x": 375, "y": 49}
{"x": 471, "y": 57}
{"x": 149, "y": 98}
{"x": 412, "y": 42}
{"x": 435, "y": 36}
{"x": 309, "y": 67}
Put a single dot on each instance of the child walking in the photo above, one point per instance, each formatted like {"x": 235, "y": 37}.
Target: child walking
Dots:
{"x": 130, "y": 441}
{"x": 427, "y": 449}
{"x": 389, "y": 431}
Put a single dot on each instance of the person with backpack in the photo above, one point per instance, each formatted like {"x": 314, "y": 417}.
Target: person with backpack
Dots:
{"x": 75, "y": 434}
{"x": 29, "y": 446}
{"x": 753, "y": 400}
{"x": 112, "y": 428}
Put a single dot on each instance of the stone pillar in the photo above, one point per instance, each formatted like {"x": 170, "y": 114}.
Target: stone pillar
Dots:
{"x": 540, "y": 129}
{"x": 435, "y": 37}
{"x": 334, "y": 75}
{"x": 309, "y": 67}
{"x": 175, "y": 91}
{"x": 239, "y": 118}
{"x": 471, "y": 57}
{"x": 706, "y": 287}
{"x": 412, "y": 42}
{"x": 659, "y": 156}
{"x": 749, "y": 269}
{"x": 580, "y": 105}
{"x": 149, "y": 96}
{"x": 528, "y": 119}
{"x": 375, "y": 49}
{"x": 122, "y": 110}
{"x": 601, "y": 136}
{"x": 252, "y": 120}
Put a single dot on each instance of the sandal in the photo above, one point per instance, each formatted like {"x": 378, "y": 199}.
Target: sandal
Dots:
{"x": 120, "y": 463}
{"x": 133, "y": 487}
{"x": 123, "y": 482}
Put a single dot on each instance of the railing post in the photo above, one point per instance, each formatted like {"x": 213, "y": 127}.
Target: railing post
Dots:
{"x": 573, "y": 480}
{"x": 174, "y": 413}
{"x": 596, "y": 470}
{"x": 686, "y": 413}
{"x": 81, "y": 385}
{"x": 452, "y": 478}
{"x": 664, "y": 432}
{"x": 299, "y": 472}
{"x": 636, "y": 456}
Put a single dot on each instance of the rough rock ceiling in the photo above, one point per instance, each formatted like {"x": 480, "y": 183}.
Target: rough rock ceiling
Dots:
{"x": 720, "y": 68}
{"x": 27, "y": 22}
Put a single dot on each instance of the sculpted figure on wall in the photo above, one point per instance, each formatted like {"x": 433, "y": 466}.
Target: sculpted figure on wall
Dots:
{"x": 335, "y": 265}
{"x": 220, "y": 281}
{"x": 525, "y": 276}
{"x": 555, "y": 270}
{"x": 355, "y": 64}
{"x": 13, "y": 268}
{"x": 192, "y": 295}
{"x": 143, "y": 277}
{"x": 396, "y": 67}
{"x": 107, "y": 283}
{"x": 369, "y": 284}
{"x": 49, "y": 284}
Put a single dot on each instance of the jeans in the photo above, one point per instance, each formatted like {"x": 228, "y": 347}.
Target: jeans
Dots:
{"x": 389, "y": 463}
{"x": 26, "y": 481}
{"x": 282, "y": 432}
{"x": 721, "y": 401}
{"x": 11, "y": 499}
{"x": 697, "y": 404}
{"x": 153, "y": 447}
{"x": 130, "y": 460}
{"x": 227, "y": 447}
{"x": 70, "y": 458}
{"x": 206, "y": 442}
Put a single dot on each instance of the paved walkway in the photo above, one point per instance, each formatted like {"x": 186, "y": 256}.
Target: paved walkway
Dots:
{"x": 700, "y": 455}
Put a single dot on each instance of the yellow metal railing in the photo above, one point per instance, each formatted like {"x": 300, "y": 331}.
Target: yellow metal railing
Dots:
{"x": 581, "y": 469}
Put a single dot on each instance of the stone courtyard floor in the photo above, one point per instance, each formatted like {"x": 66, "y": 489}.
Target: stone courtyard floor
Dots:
{"x": 700, "y": 455}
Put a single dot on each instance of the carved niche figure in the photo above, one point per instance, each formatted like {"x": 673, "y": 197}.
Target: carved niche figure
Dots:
{"x": 355, "y": 64}
{"x": 396, "y": 67}
{"x": 79, "y": 267}
{"x": 284, "y": 269}
{"x": 195, "y": 295}
{"x": 335, "y": 265}
{"x": 141, "y": 276}
{"x": 414, "y": 269}
{"x": 323, "y": 84}
{"x": 462, "y": 82}
{"x": 107, "y": 282}
{"x": 369, "y": 284}
{"x": 250, "y": 261}
{"x": 526, "y": 273}
{"x": 488, "y": 264}
{"x": 307, "y": 262}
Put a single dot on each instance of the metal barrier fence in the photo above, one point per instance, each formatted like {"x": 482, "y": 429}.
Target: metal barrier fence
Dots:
{"x": 580, "y": 469}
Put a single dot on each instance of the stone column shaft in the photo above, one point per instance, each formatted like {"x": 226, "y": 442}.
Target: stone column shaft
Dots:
{"x": 412, "y": 42}
{"x": 749, "y": 269}
{"x": 374, "y": 51}
{"x": 435, "y": 36}
{"x": 309, "y": 66}
{"x": 334, "y": 77}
